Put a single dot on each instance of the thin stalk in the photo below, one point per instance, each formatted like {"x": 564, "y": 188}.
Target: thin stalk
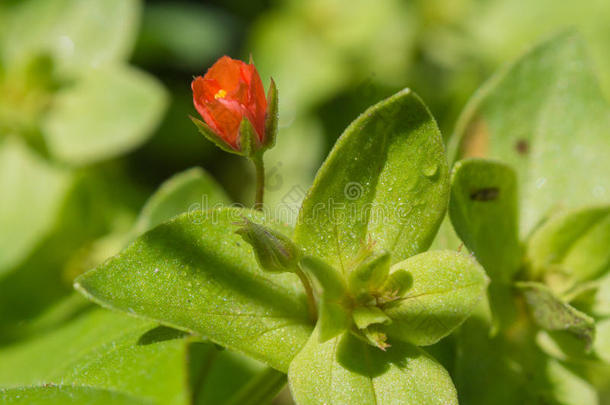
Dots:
{"x": 311, "y": 301}
{"x": 260, "y": 181}
{"x": 261, "y": 389}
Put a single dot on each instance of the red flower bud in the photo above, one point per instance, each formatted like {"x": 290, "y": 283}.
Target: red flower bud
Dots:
{"x": 230, "y": 91}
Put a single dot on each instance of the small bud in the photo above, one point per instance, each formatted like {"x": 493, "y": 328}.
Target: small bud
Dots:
{"x": 274, "y": 252}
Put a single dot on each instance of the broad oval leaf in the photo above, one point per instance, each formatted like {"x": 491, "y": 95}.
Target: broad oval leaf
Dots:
{"x": 346, "y": 370}
{"x": 190, "y": 190}
{"x": 446, "y": 288}
{"x": 483, "y": 210}
{"x": 574, "y": 244}
{"x": 112, "y": 351}
{"x": 104, "y": 113}
{"x": 545, "y": 108}
{"x": 194, "y": 273}
{"x": 78, "y": 35}
{"x": 32, "y": 194}
{"x": 385, "y": 179}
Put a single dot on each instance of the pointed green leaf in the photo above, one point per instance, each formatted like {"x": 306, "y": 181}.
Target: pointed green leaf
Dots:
{"x": 573, "y": 244}
{"x": 128, "y": 356}
{"x": 32, "y": 193}
{"x": 446, "y": 287}
{"x": 551, "y": 313}
{"x": 106, "y": 112}
{"x": 194, "y": 273}
{"x": 386, "y": 178}
{"x": 190, "y": 190}
{"x": 483, "y": 210}
{"x": 346, "y": 370}
{"x": 545, "y": 108}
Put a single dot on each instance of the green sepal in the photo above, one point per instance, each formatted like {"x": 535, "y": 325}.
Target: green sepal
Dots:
{"x": 274, "y": 252}
{"x": 271, "y": 119}
{"x": 552, "y": 314}
{"x": 213, "y": 137}
{"x": 249, "y": 143}
{"x": 370, "y": 274}
{"x": 366, "y": 316}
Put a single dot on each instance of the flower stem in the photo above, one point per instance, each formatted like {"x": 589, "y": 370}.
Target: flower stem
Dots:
{"x": 260, "y": 181}
{"x": 311, "y": 301}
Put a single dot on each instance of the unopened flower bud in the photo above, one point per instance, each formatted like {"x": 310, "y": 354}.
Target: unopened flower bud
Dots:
{"x": 274, "y": 252}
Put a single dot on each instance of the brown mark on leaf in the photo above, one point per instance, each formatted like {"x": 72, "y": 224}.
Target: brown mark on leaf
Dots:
{"x": 485, "y": 194}
{"x": 522, "y": 146}
{"x": 476, "y": 139}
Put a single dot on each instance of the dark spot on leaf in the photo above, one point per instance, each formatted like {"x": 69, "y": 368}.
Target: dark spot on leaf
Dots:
{"x": 485, "y": 194}
{"x": 160, "y": 334}
{"x": 522, "y": 146}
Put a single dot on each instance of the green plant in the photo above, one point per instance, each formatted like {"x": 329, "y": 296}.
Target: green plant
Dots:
{"x": 194, "y": 273}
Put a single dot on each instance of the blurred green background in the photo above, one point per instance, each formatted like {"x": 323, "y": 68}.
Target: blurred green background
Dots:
{"x": 95, "y": 98}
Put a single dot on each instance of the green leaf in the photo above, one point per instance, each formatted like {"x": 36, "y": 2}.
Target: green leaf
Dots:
{"x": 510, "y": 369}
{"x": 194, "y": 273}
{"x": 105, "y": 113}
{"x": 545, "y": 108}
{"x": 446, "y": 287}
{"x": 59, "y": 394}
{"x": 32, "y": 194}
{"x": 550, "y": 313}
{"x": 103, "y": 350}
{"x": 573, "y": 244}
{"x": 483, "y": 210}
{"x": 78, "y": 35}
{"x": 385, "y": 179}
{"x": 111, "y": 351}
{"x": 346, "y": 370}
{"x": 190, "y": 190}
{"x": 602, "y": 342}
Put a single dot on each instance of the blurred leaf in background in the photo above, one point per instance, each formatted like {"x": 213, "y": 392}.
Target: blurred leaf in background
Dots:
{"x": 68, "y": 104}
